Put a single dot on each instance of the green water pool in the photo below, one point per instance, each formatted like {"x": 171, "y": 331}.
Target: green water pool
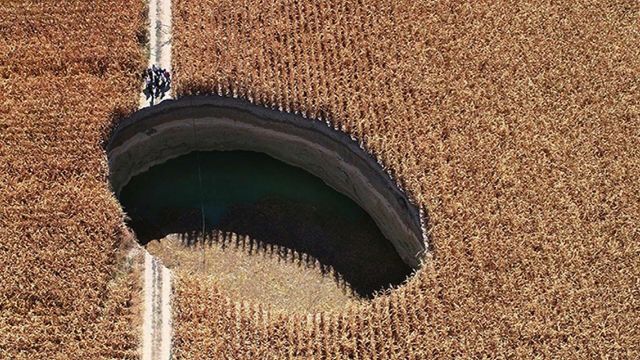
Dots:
{"x": 253, "y": 194}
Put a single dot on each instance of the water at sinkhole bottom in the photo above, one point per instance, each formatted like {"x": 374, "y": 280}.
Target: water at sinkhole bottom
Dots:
{"x": 254, "y": 195}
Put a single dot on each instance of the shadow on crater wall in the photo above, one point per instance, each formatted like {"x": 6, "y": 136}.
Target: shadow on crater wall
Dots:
{"x": 276, "y": 204}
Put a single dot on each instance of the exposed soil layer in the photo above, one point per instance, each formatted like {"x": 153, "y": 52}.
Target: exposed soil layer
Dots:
{"x": 177, "y": 127}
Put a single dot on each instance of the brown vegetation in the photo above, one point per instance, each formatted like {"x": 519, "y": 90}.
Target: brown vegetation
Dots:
{"x": 274, "y": 277}
{"x": 516, "y": 125}
{"x": 65, "y": 69}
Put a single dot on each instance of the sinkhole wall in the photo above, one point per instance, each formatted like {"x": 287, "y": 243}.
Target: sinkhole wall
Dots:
{"x": 211, "y": 123}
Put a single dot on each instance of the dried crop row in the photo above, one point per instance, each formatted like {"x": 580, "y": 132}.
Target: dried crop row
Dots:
{"x": 66, "y": 69}
{"x": 246, "y": 269}
{"x": 514, "y": 124}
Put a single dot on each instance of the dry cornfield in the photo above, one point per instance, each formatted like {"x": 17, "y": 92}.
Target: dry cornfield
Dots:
{"x": 280, "y": 279}
{"x": 66, "y": 69}
{"x": 515, "y": 125}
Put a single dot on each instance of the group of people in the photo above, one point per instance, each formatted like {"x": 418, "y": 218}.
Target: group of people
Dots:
{"x": 157, "y": 82}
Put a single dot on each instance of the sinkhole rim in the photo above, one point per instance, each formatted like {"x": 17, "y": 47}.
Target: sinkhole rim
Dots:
{"x": 174, "y": 128}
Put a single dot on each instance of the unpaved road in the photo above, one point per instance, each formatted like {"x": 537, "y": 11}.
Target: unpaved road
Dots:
{"x": 156, "y": 336}
{"x": 157, "y": 329}
{"x": 159, "y": 40}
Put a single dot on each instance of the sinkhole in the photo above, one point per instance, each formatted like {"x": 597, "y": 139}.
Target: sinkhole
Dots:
{"x": 221, "y": 172}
